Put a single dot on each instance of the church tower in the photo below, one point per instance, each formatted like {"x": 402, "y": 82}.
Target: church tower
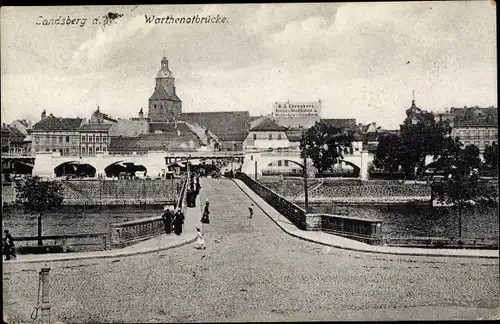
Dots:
{"x": 164, "y": 105}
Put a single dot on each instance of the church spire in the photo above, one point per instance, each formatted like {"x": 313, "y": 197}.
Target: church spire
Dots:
{"x": 413, "y": 100}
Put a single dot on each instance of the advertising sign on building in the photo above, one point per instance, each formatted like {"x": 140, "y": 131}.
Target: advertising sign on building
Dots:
{"x": 297, "y": 109}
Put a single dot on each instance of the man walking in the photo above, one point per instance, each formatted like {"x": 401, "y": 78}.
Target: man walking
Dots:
{"x": 251, "y": 210}
{"x": 167, "y": 219}
{"x": 8, "y": 245}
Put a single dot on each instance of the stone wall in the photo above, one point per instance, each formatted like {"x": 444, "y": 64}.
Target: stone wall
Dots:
{"x": 368, "y": 189}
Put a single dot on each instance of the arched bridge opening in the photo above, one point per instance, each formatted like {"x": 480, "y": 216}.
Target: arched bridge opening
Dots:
{"x": 125, "y": 169}
{"x": 75, "y": 169}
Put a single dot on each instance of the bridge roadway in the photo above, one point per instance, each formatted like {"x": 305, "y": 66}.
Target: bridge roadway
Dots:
{"x": 252, "y": 271}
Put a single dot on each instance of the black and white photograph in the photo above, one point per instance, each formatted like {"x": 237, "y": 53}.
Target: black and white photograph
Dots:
{"x": 250, "y": 162}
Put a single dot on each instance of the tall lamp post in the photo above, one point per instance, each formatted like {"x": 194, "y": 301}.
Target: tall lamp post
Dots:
{"x": 304, "y": 175}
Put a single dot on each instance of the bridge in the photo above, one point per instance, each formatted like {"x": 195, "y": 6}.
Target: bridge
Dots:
{"x": 257, "y": 161}
{"x": 154, "y": 162}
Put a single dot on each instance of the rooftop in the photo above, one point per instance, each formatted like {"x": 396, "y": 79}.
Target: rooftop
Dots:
{"x": 267, "y": 125}
{"x": 226, "y": 125}
{"x": 51, "y": 123}
{"x": 155, "y": 142}
{"x": 342, "y": 123}
{"x": 475, "y": 116}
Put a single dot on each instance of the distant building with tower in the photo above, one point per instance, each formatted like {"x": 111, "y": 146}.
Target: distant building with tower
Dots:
{"x": 164, "y": 104}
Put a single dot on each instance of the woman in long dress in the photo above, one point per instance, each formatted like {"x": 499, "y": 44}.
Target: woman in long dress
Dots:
{"x": 206, "y": 218}
{"x": 178, "y": 221}
{"x": 200, "y": 241}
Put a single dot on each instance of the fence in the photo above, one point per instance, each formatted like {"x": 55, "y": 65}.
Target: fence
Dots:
{"x": 127, "y": 233}
{"x": 291, "y": 211}
{"x": 113, "y": 192}
{"x": 62, "y": 243}
{"x": 364, "y": 230}
{"x": 442, "y": 242}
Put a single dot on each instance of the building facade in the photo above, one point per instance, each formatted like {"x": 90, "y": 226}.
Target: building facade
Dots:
{"x": 164, "y": 105}
{"x": 473, "y": 125}
{"x": 56, "y": 134}
{"x": 266, "y": 135}
{"x": 94, "y": 138}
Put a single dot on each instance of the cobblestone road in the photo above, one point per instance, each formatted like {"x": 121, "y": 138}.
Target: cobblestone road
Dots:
{"x": 252, "y": 271}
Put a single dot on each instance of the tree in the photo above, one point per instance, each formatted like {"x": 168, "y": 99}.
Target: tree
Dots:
{"x": 461, "y": 185}
{"x": 387, "y": 154}
{"x": 325, "y": 145}
{"x": 491, "y": 157}
{"x": 421, "y": 135}
{"x": 38, "y": 196}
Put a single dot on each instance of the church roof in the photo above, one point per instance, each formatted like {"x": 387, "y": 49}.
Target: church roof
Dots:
{"x": 57, "y": 123}
{"x": 413, "y": 109}
{"x": 161, "y": 94}
{"x": 267, "y": 125}
{"x": 226, "y": 125}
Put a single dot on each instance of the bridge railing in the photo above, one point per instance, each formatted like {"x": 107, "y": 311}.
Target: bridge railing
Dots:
{"x": 128, "y": 233}
{"x": 62, "y": 243}
{"x": 442, "y": 242}
{"x": 364, "y": 230}
{"x": 360, "y": 229}
{"x": 291, "y": 211}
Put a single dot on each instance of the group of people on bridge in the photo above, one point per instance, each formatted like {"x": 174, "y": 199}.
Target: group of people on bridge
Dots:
{"x": 173, "y": 219}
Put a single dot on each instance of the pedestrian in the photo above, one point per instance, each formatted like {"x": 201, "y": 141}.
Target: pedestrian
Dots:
{"x": 167, "y": 219}
{"x": 205, "y": 219}
{"x": 251, "y": 210}
{"x": 178, "y": 221}
{"x": 8, "y": 245}
{"x": 200, "y": 241}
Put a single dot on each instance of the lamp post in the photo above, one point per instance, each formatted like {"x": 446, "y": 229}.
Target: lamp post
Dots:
{"x": 304, "y": 171}
{"x": 255, "y": 170}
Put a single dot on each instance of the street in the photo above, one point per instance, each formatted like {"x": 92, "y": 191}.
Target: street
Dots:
{"x": 253, "y": 271}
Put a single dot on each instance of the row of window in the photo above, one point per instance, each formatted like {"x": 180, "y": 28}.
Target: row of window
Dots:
{"x": 90, "y": 138}
{"x": 52, "y": 138}
{"x": 480, "y": 133}
{"x": 476, "y": 143}
{"x": 270, "y": 137}
{"x": 91, "y": 150}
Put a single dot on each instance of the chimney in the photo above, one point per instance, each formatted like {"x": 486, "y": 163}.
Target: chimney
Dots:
{"x": 173, "y": 89}
{"x": 44, "y": 114}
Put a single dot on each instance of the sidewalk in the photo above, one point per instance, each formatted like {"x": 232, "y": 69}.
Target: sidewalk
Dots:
{"x": 348, "y": 244}
{"x": 155, "y": 244}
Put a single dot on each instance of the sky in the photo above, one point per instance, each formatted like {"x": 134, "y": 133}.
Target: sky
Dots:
{"x": 363, "y": 60}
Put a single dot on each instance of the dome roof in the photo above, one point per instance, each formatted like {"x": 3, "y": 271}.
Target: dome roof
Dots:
{"x": 164, "y": 73}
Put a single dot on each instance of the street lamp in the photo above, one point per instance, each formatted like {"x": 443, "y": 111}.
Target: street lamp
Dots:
{"x": 304, "y": 175}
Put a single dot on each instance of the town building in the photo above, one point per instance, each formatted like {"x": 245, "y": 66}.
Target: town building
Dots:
{"x": 94, "y": 138}
{"x": 164, "y": 104}
{"x": 266, "y": 135}
{"x": 5, "y": 139}
{"x": 473, "y": 125}
{"x": 56, "y": 134}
